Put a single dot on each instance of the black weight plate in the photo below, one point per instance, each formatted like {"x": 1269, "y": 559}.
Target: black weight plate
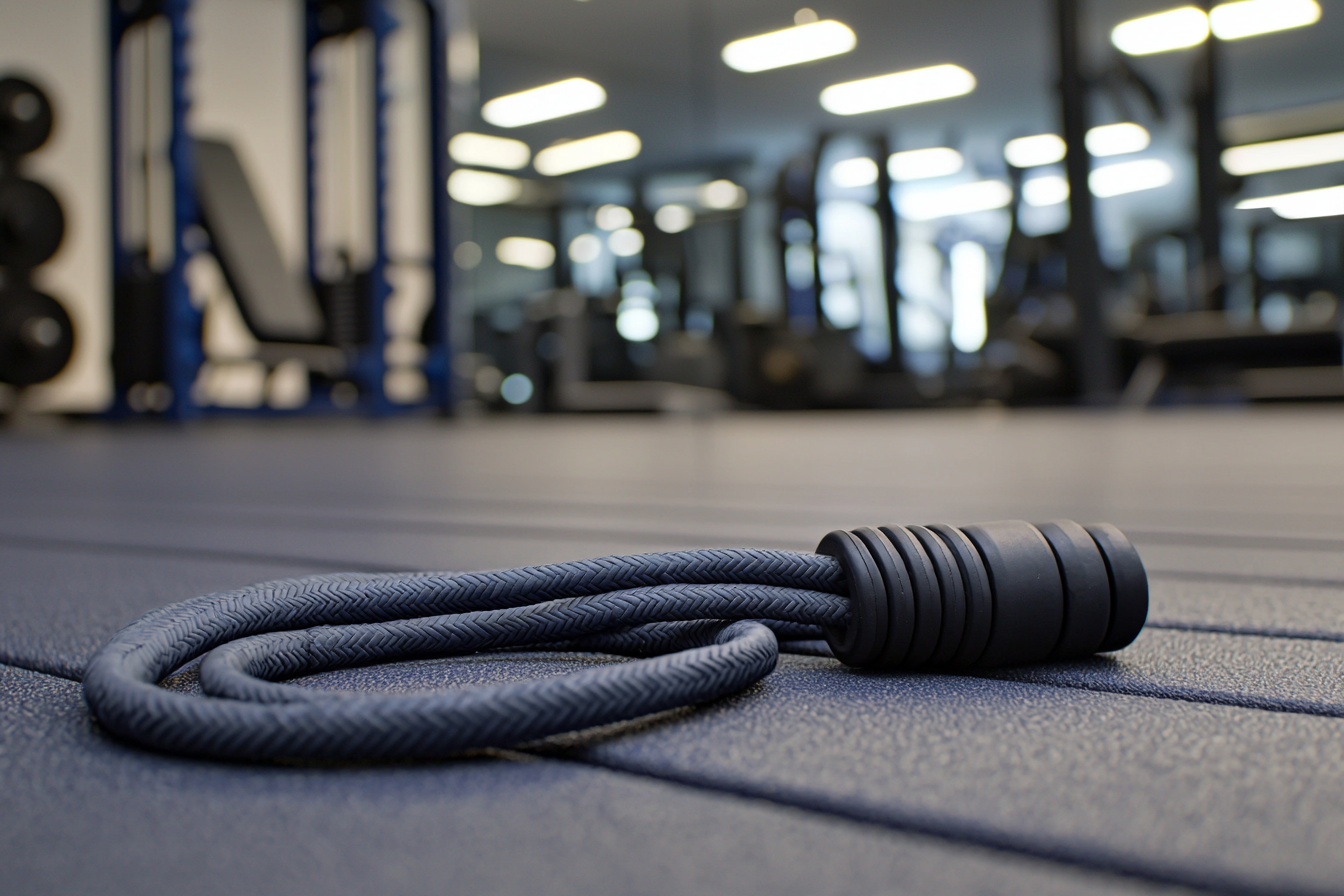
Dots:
{"x": 36, "y": 337}
{"x": 900, "y": 597}
{"x": 928, "y": 599}
{"x": 1087, "y": 589}
{"x": 31, "y": 223}
{"x": 953, "y": 592}
{"x": 860, "y": 642}
{"x": 979, "y": 597}
{"x": 1028, "y": 595}
{"x": 1129, "y": 586}
{"x": 25, "y": 116}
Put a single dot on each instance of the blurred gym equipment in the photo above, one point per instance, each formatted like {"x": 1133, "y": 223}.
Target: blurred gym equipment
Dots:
{"x": 36, "y": 334}
{"x": 207, "y": 317}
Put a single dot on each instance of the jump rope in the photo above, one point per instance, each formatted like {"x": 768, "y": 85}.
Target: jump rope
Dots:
{"x": 701, "y": 625}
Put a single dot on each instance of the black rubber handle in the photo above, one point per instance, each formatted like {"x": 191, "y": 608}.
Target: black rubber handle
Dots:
{"x": 988, "y": 594}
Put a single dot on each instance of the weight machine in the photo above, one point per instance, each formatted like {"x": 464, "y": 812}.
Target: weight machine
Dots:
{"x": 365, "y": 329}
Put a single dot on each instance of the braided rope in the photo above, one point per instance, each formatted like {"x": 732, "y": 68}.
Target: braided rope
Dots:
{"x": 715, "y": 609}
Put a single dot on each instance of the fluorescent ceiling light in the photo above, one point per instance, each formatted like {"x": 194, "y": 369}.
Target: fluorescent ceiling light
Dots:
{"x": 1034, "y": 151}
{"x": 1129, "y": 177}
{"x": 585, "y": 248}
{"x": 921, "y": 85}
{"x": 483, "y": 187}
{"x": 789, "y": 46}
{"x": 1279, "y": 155}
{"x": 1042, "y": 191}
{"x": 1174, "y": 29}
{"x": 589, "y": 152}
{"x": 1247, "y": 18}
{"x": 721, "y": 194}
{"x": 962, "y": 199}
{"x": 917, "y": 164}
{"x": 626, "y": 242}
{"x": 673, "y": 218}
{"x": 857, "y": 172}
{"x": 1306, "y": 204}
{"x": 1117, "y": 139}
{"x": 525, "y": 252}
{"x": 613, "y": 217}
{"x": 488, "y": 151}
{"x": 544, "y": 103}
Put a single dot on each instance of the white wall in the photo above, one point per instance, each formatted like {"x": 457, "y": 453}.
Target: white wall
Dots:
{"x": 247, "y": 86}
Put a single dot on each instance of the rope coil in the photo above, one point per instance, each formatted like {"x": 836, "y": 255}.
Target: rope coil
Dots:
{"x": 706, "y": 624}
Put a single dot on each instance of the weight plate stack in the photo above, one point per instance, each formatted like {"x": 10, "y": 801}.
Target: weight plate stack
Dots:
{"x": 36, "y": 336}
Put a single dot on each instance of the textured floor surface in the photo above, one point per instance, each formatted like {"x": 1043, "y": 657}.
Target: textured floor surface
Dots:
{"x": 1208, "y": 756}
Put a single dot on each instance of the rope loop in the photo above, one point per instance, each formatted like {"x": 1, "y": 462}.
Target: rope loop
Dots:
{"x": 701, "y": 625}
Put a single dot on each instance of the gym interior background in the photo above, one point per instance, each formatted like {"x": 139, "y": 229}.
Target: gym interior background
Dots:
{"x": 291, "y": 287}
{"x": 290, "y": 208}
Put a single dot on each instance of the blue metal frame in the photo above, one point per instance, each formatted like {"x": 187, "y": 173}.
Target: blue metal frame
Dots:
{"x": 438, "y": 363}
{"x": 182, "y": 352}
{"x": 369, "y": 365}
{"x": 181, "y": 322}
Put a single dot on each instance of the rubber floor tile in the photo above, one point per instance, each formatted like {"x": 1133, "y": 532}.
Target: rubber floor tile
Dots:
{"x": 1229, "y": 798}
{"x": 84, "y": 814}
{"x": 1283, "y": 674}
{"x": 58, "y": 605}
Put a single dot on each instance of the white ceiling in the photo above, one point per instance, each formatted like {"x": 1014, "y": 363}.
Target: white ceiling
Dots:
{"x": 659, "y": 61}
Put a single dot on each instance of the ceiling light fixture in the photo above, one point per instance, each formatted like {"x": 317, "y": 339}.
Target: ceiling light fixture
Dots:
{"x": 1129, "y": 177}
{"x": 585, "y": 248}
{"x": 1174, "y": 29}
{"x": 918, "y": 164}
{"x": 625, "y": 242}
{"x": 921, "y": 85}
{"x": 1247, "y": 18}
{"x": 963, "y": 199}
{"x": 1034, "y": 151}
{"x": 1320, "y": 203}
{"x": 613, "y": 217}
{"x": 491, "y": 152}
{"x": 721, "y": 194}
{"x": 557, "y": 100}
{"x": 856, "y": 172}
{"x": 673, "y": 218}
{"x": 1280, "y": 155}
{"x": 589, "y": 152}
{"x": 789, "y": 46}
{"x": 483, "y": 187}
{"x": 525, "y": 252}
{"x": 1039, "y": 192}
{"x": 1117, "y": 139}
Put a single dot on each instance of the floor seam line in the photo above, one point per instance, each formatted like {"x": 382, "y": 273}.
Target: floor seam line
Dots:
{"x": 1246, "y": 631}
{"x": 1229, "y": 885}
{"x": 1206, "y": 698}
{"x": 1244, "y": 579}
{"x": 190, "y": 553}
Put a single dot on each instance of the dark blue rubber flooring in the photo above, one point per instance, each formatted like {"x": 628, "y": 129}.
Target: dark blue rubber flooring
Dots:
{"x": 1206, "y": 756}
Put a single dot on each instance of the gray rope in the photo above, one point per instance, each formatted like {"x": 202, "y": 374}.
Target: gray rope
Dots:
{"x": 699, "y": 603}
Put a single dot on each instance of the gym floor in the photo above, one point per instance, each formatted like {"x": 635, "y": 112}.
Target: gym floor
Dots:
{"x": 1205, "y": 756}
